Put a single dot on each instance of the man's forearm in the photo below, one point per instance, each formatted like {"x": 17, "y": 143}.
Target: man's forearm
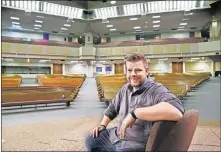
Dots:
{"x": 161, "y": 111}
{"x": 105, "y": 121}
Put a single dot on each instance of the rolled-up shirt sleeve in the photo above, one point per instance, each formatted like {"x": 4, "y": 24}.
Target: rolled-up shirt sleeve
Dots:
{"x": 163, "y": 94}
{"x": 114, "y": 106}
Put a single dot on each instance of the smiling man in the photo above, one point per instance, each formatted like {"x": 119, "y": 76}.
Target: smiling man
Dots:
{"x": 137, "y": 105}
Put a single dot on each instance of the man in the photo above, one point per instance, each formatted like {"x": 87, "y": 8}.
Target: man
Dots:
{"x": 138, "y": 104}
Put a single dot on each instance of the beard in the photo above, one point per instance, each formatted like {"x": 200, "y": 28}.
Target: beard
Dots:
{"x": 135, "y": 81}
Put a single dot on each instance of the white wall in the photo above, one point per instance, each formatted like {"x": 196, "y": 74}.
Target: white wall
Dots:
{"x": 29, "y": 35}
{"x": 123, "y": 38}
{"x": 89, "y": 70}
{"x": 25, "y": 64}
{"x": 160, "y": 67}
{"x": 175, "y": 35}
{"x": 22, "y": 34}
{"x": 198, "y": 67}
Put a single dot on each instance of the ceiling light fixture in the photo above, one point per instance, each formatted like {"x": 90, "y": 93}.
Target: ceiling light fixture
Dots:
{"x": 156, "y": 17}
{"x": 37, "y": 25}
{"x": 112, "y": 29}
{"x": 133, "y": 19}
{"x": 181, "y": 27}
{"x": 64, "y": 29}
{"x": 146, "y": 22}
{"x": 156, "y": 21}
{"x": 40, "y": 16}
{"x": 185, "y": 19}
{"x": 38, "y": 21}
{"x": 67, "y": 25}
{"x": 188, "y": 14}
{"x": 137, "y": 27}
{"x": 36, "y": 28}
{"x": 113, "y": 2}
{"x": 14, "y": 18}
{"x": 156, "y": 25}
{"x": 72, "y": 21}
{"x": 109, "y": 25}
{"x": 16, "y": 23}
{"x": 183, "y": 23}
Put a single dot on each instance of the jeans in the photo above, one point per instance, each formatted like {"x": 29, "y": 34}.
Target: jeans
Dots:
{"x": 103, "y": 143}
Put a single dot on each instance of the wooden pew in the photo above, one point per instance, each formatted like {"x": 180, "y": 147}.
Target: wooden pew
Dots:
{"x": 37, "y": 95}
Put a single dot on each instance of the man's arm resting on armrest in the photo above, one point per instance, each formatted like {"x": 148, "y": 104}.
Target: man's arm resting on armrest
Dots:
{"x": 160, "y": 111}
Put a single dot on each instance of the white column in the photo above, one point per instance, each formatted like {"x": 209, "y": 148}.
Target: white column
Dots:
{"x": 63, "y": 69}
{"x": 113, "y": 69}
{"x": 184, "y": 67}
{"x": 51, "y": 68}
{"x": 212, "y": 68}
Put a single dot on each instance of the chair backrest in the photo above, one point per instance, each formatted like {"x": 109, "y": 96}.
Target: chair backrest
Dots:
{"x": 173, "y": 135}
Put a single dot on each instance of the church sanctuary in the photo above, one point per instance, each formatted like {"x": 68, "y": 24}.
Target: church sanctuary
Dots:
{"x": 147, "y": 73}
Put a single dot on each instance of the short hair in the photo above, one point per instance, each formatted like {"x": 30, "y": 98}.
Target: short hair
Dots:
{"x": 135, "y": 57}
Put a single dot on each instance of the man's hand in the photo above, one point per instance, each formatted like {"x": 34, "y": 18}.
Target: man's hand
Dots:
{"x": 96, "y": 130}
{"x": 128, "y": 121}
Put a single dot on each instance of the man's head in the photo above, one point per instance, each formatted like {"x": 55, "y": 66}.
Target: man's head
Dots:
{"x": 136, "y": 67}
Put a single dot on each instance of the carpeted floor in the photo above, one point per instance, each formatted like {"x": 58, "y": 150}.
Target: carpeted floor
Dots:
{"x": 59, "y": 128}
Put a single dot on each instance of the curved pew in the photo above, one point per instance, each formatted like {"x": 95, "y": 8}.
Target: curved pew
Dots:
{"x": 11, "y": 81}
{"x": 37, "y": 95}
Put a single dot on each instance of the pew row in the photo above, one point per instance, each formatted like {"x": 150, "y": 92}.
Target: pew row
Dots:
{"x": 11, "y": 81}
{"x": 14, "y": 96}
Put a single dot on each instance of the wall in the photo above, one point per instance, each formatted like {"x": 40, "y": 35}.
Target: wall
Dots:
{"x": 122, "y": 38}
{"x": 160, "y": 67}
{"x": 103, "y": 69}
{"x": 198, "y": 67}
{"x": 25, "y": 64}
{"x": 30, "y": 35}
{"x": 175, "y": 35}
{"x": 90, "y": 70}
{"x": 217, "y": 66}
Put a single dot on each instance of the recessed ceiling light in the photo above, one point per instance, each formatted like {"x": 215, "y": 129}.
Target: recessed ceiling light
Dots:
{"x": 146, "y": 22}
{"x": 137, "y": 27}
{"x": 14, "y": 18}
{"x": 109, "y": 25}
{"x": 156, "y": 21}
{"x": 184, "y": 19}
{"x": 38, "y": 21}
{"x": 16, "y": 23}
{"x": 189, "y": 14}
{"x": 36, "y": 28}
{"x": 37, "y": 25}
{"x": 156, "y": 17}
{"x": 64, "y": 29}
{"x": 113, "y": 2}
{"x": 156, "y": 25}
{"x": 112, "y": 29}
{"x": 183, "y": 23}
{"x": 132, "y": 19}
{"x": 67, "y": 25}
{"x": 181, "y": 27}
{"x": 105, "y": 21}
{"x": 72, "y": 21}
{"x": 138, "y": 30}
{"x": 40, "y": 16}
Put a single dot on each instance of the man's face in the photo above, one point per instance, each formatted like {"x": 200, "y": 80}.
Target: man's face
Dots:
{"x": 136, "y": 73}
